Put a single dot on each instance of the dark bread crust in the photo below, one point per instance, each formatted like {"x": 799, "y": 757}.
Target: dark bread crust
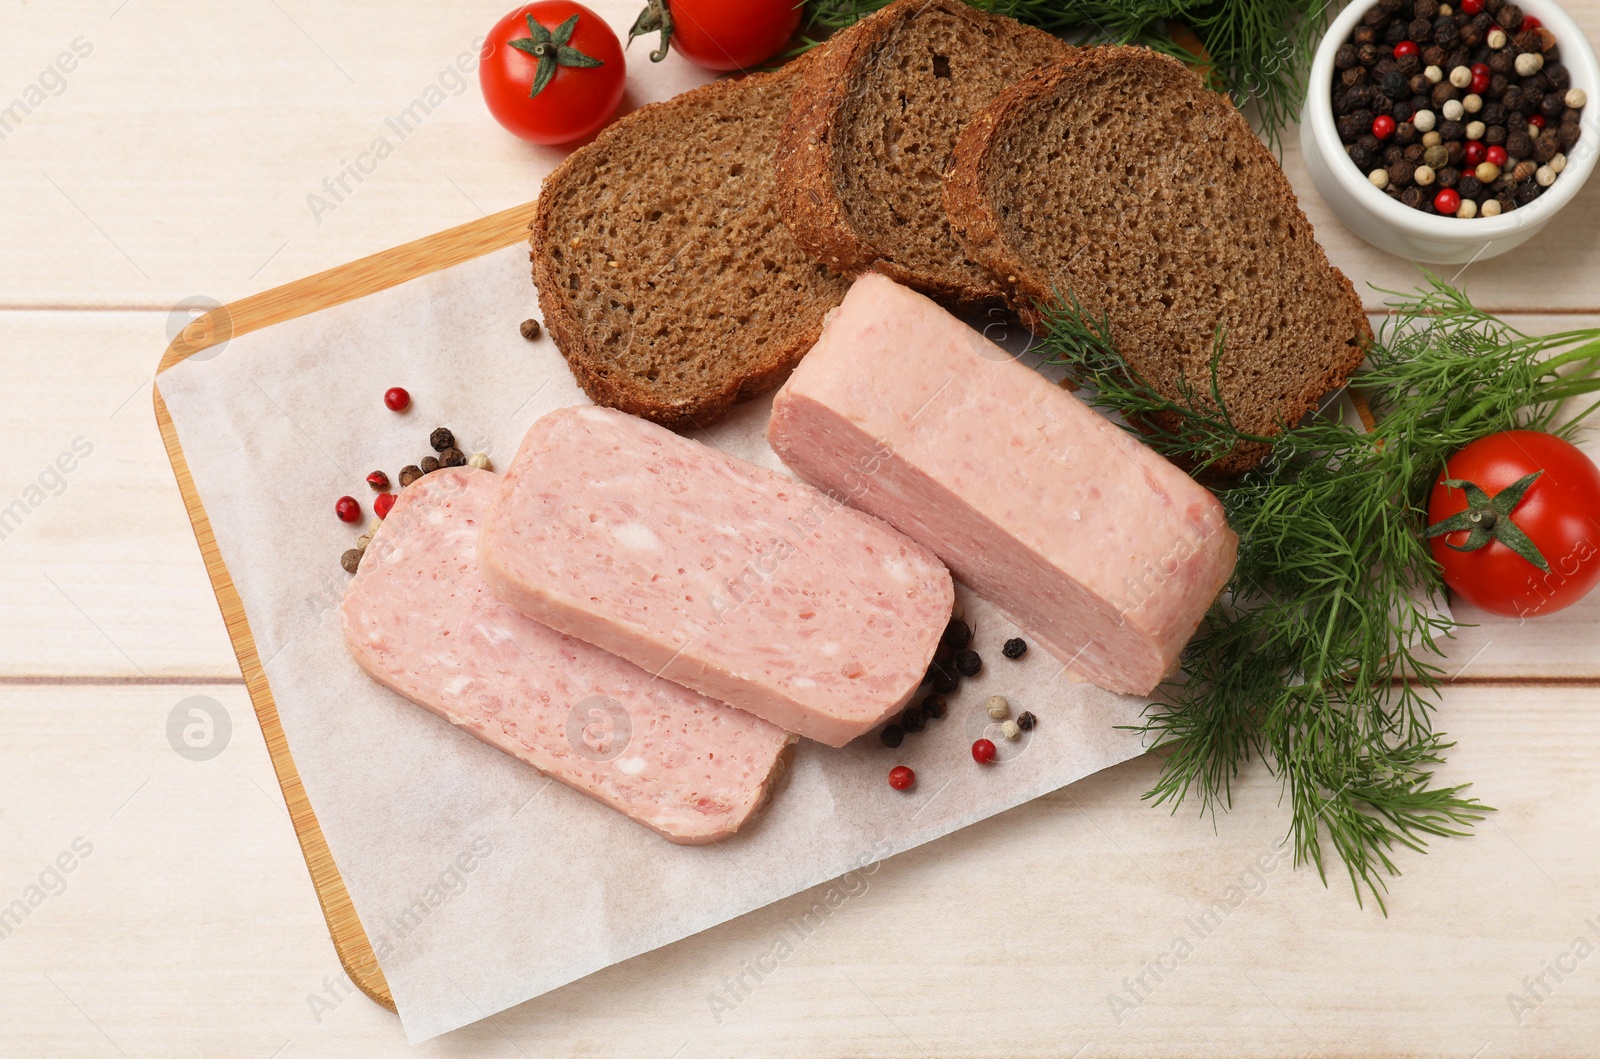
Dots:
{"x": 1168, "y": 332}
{"x": 701, "y": 299}
{"x": 811, "y": 160}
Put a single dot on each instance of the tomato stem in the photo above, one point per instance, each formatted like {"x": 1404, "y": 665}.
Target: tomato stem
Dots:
{"x": 1488, "y": 518}
{"x": 656, "y": 16}
{"x": 552, "y": 49}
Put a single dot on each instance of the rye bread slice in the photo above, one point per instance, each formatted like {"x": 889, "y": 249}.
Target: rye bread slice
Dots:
{"x": 1117, "y": 177}
{"x": 873, "y": 125}
{"x": 664, "y": 274}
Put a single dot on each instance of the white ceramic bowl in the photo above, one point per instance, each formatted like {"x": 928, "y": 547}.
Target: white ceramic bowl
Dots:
{"x": 1401, "y": 230}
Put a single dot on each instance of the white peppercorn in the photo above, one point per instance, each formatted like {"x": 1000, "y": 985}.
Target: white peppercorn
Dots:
{"x": 1461, "y": 77}
{"x": 1453, "y": 110}
{"x": 1496, "y": 38}
{"x": 1423, "y": 176}
{"x": 1491, "y": 207}
{"x": 1487, "y": 172}
{"x": 1533, "y": 132}
{"x": 1557, "y": 164}
{"x": 1433, "y": 74}
{"x": 1575, "y": 98}
{"x": 998, "y": 707}
{"x": 1529, "y": 63}
{"x": 1475, "y": 130}
{"x": 1432, "y": 139}
{"x": 1446, "y": 9}
{"x": 1379, "y": 178}
{"x": 1468, "y": 209}
{"x": 1423, "y": 121}
{"x": 1472, "y": 103}
{"x": 480, "y": 460}
{"x": 1010, "y": 729}
{"x": 1545, "y": 176}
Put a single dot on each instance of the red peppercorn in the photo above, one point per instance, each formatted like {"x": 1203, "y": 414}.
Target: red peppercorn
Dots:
{"x": 1404, "y": 48}
{"x": 1480, "y": 84}
{"x": 1383, "y": 126}
{"x": 1529, "y": 22}
{"x": 347, "y": 508}
{"x": 983, "y": 751}
{"x": 382, "y": 503}
{"x": 396, "y": 399}
{"x": 378, "y": 480}
{"x": 1447, "y": 201}
{"x": 1536, "y": 120}
{"x": 1495, "y": 154}
{"x": 901, "y": 778}
{"x": 1474, "y": 152}
{"x": 1471, "y": 7}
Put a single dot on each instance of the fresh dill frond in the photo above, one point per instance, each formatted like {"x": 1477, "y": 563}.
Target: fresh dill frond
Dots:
{"x": 1322, "y": 657}
{"x": 1257, "y": 51}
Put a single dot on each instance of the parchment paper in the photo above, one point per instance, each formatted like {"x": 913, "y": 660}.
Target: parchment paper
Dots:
{"x": 480, "y": 882}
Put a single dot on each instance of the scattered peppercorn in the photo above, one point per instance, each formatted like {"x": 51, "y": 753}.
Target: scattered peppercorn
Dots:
{"x": 968, "y": 663}
{"x": 1011, "y": 729}
{"x": 901, "y": 778}
{"x": 530, "y": 329}
{"x": 382, "y": 503}
{"x": 396, "y": 399}
{"x": 945, "y": 680}
{"x": 1026, "y": 721}
{"x": 428, "y": 465}
{"x": 911, "y": 719}
{"x": 956, "y": 635}
{"x": 480, "y": 460}
{"x": 378, "y": 480}
{"x": 997, "y": 705}
{"x": 441, "y": 439}
{"x": 1015, "y": 647}
{"x": 452, "y": 457}
{"x": 408, "y": 474}
{"x": 934, "y": 707}
{"x": 983, "y": 751}
{"x": 892, "y": 736}
{"x": 348, "y": 509}
{"x": 350, "y": 560}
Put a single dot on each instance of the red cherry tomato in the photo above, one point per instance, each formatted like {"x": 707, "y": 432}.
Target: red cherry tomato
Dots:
{"x": 731, "y": 34}
{"x": 1558, "y": 513}
{"x": 552, "y": 72}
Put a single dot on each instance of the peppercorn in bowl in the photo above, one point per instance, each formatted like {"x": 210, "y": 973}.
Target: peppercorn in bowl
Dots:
{"x": 1450, "y": 133}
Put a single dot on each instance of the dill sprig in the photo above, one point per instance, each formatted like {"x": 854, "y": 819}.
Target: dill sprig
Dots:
{"x": 1257, "y": 51}
{"x": 1322, "y": 657}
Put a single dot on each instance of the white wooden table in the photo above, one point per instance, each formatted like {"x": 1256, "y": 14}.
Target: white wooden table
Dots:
{"x": 176, "y": 160}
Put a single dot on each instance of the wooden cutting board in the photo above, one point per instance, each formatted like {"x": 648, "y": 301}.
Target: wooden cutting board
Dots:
{"x": 300, "y": 298}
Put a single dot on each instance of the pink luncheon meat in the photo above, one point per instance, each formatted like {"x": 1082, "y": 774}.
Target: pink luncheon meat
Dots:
{"x": 419, "y": 619}
{"x": 1105, "y": 552}
{"x": 726, "y": 577}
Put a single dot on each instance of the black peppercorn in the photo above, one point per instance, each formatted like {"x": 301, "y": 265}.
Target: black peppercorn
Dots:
{"x": 1470, "y": 35}
{"x": 1393, "y": 154}
{"x": 934, "y": 707}
{"x": 1360, "y": 156}
{"x": 1493, "y": 114}
{"x": 1345, "y": 57}
{"x": 1370, "y": 142}
{"x": 1500, "y": 62}
{"x": 1507, "y": 200}
{"x": 1405, "y": 134}
{"x": 1354, "y": 76}
{"x": 1469, "y": 186}
{"x": 1375, "y": 17}
{"x": 1400, "y": 173}
{"x": 1026, "y": 721}
{"x": 892, "y": 736}
{"x": 1420, "y": 30}
{"x": 1518, "y": 144}
{"x": 1015, "y": 647}
{"x": 1545, "y": 148}
{"x": 1414, "y": 153}
{"x": 1497, "y": 86}
{"x": 1418, "y": 85}
{"x": 452, "y": 457}
{"x": 1512, "y": 98}
{"x": 1528, "y": 40}
{"x": 968, "y": 663}
{"x": 1450, "y": 130}
{"x": 1385, "y": 66}
{"x": 408, "y": 474}
{"x": 1363, "y": 35}
{"x": 1455, "y": 152}
{"x": 1552, "y": 105}
{"x": 1433, "y": 55}
{"x": 1367, "y": 54}
{"x": 1394, "y": 84}
{"x": 1425, "y": 8}
{"x": 428, "y": 465}
{"x": 441, "y": 439}
{"x": 530, "y": 329}
{"x": 1444, "y": 92}
{"x": 1532, "y": 97}
{"x": 1411, "y": 196}
{"x": 945, "y": 681}
{"x": 911, "y": 719}
{"x": 1509, "y": 15}
{"x": 1447, "y": 177}
{"x": 1445, "y": 32}
{"x": 350, "y": 560}
{"x": 957, "y": 634}
{"x": 1494, "y": 135}
{"x": 1567, "y": 136}
{"x": 1558, "y": 73}
{"x": 1527, "y": 191}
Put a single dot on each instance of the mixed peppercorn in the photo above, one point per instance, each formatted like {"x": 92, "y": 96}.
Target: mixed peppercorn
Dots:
{"x": 1456, "y": 111}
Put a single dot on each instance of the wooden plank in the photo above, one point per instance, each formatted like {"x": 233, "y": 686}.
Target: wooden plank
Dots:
{"x": 1005, "y": 939}
{"x": 199, "y": 192}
